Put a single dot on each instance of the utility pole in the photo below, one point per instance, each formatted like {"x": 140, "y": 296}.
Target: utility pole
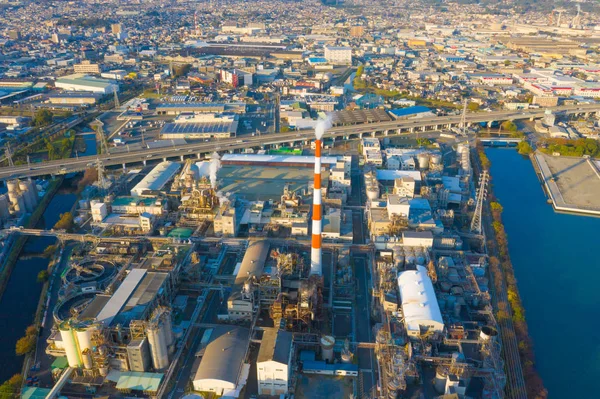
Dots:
{"x": 9, "y": 155}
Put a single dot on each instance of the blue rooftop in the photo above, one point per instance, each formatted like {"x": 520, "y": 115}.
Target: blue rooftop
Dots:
{"x": 417, "y": 109}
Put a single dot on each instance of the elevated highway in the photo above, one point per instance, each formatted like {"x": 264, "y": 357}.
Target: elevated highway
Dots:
{"x": 379, "y": 129}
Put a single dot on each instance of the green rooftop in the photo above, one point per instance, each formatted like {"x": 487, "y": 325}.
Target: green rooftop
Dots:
{"x": 138, "y": 381}
{"x": 180, "y": 232}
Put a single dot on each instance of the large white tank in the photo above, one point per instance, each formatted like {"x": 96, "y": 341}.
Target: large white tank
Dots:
{"x": 12, "y": 186}
{"x": 158, "y": 347}
{"x": 26, "y": 195}
{"x": 86, "y": 357}
{"x": 84, "y": 338}
{"x": 70, "y": 344}
{"x": 423, "y": 159}
{"x": 435, "y": 159}
{"x": 372, "y": 192}
{"x": 168, "y": 326}
{"x": 327, "y": 343}
{"x": 4, "y": 208}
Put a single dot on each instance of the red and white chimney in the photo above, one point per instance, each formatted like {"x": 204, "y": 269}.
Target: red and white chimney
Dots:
{"x": 316, "y": 264}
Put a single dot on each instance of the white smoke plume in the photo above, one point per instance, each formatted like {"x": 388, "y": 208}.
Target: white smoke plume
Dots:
{"x": 322, "y": 126}
{"x": 215, "y": 165}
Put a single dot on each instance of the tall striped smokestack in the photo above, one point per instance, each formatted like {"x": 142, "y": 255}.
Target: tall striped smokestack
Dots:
{"x": 316, "y": 264}
{"x": 315, "y": 251}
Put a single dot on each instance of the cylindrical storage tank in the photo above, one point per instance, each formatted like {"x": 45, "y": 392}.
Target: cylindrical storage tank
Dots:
{"x": 4, "y": 208}
{"x": 346, "y": 357}
{"x": 33, "y": 188}
{"x": 103, "y": 370}
{"x": 327, "y": 342}
{"x": 439, "y": 383}
{"x": 86, "y": 357}
{"x": 170, "y": 337}
{"x": 12, "y": 186}
{"x": 158, "y": 347}
{"x": 487, "y": 333}
{"x": 27, "y": 196}
{"x": 423, "y": 160}
{"x": 372, "y": 193}
{"x": 70, "y": 344}
{"x": 84, "y": 338}
{"x": 435, "y": 159}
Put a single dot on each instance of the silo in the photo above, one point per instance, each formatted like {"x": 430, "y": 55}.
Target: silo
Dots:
{"x": 372, "y": 192}
{"x": 26, "y": 195}
{"x": 423, "y": 159}
{"x": 84, "y": 338}
{"x": 327, "y": 342}
{"x": 86, "y": 356}
{"x": 4, "y": 207}
{"x": 168, "y": 327}
{"x": 12, "y": 186}
{"x": 435, "y": 160}
{"x": 158, "y": 347}
{"x": 33, "y": 191}
{"x": 439, "y": 383}
{"x": 70, "y": 344}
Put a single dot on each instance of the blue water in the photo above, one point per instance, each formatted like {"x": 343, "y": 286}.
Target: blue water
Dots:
{"x": 90, "y": 145}
{"x": 20, "y": 299}
{"x": 558, "y": 272}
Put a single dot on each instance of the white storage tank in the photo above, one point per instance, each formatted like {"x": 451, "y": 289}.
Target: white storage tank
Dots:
{"x": 327, "y": 343}
{"x": 70, "y": 344}
{"x": 423, "y": 160}
{"x": 84, "y": 338}
{"x": 26, "y": 195}
{"x": 158, "y": 347}
{"x": 435, "y": 159}
{"x": 86, "y": 356}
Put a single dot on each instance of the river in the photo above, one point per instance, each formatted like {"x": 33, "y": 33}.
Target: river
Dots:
{"x": 20, "y": 299}
{"x": 557, "y": 271}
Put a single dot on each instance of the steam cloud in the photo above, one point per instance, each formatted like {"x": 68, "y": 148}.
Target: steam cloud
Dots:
{"x": 215, "y": 165}
{"x": 322, "y": 126}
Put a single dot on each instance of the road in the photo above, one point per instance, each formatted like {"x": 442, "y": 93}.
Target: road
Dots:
{"x": 229, "y": 145}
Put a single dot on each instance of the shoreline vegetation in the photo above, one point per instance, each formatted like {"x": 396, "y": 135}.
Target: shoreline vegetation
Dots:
{"x": 502, "y": 269}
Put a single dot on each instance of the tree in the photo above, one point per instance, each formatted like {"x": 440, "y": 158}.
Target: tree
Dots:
{"x": 11, "y": 387}
{"x": 510, "y": 126}
{"x": 524, "y": 148}
{"x": 42, "y": 276}
{"x": 65, "y": 222}
{"x": 496, "y": 207}
{"x": 473, "y": 107}
{"x": 25, "y": 345}
{"x": 50, "y": 250}
{"x": 181, "y": 70}
{"x": 42, "y": 117}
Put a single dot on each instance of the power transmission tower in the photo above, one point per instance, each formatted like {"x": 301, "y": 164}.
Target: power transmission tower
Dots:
{"x": 481, "y": 194}
{"x": 463, "y": 119}
{"x": 9, "y": 155}
{"x": 117, "y": 104}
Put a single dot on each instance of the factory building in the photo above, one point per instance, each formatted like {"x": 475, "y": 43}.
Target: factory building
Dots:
{"x": 200, "y": 108}
{"x": 201, "y": 126}
{"x": 274, "y": 362}
{"x": 222, "y": 368}
{"x": 236, "y": 77}
{"x": 156, "y": 179}
{"x": 338, "y": 55}
{"x": 240, "y": 304}
{"x": 419, "y": 304}
{"x": 74, "y": 98}
{"x": 81, "y": 82}
{"x": 87, "y": 67}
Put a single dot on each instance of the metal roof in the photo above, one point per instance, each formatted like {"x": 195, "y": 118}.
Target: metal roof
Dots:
{"x": 260, "y": 158}
{"x": 418, "y": 109}
{"x": 253, "y": 262}
{"x": 224, "y": 355}
{"x": 276, "y": 345}
{"x": 357, "y": 116}
{"x": 120, "y": 297}
{"x": 157, "y": 178}
{"x": 199, "y": 128}
{"x": 419, "y": 303}
{"x": 138, "y": 381}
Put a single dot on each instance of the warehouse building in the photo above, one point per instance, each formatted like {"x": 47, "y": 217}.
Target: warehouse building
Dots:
{"x": 156, "y": 179}
{"x": 200, "y": 108}
{"x": 201, "y": 126}
{"x": 81, "y": 82}
{"x": 273, "y": 362}
{"x": 420, "y": 307}
{"x": 222, "y": 368}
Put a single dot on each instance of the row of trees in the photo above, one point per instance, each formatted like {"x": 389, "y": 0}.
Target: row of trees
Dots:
{"x": 501, "y": 269}
{"x": 27, "y": 343}
{"x": 574, "y": 148}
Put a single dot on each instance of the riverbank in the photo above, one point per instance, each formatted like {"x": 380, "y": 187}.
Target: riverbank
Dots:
{"x": 20, "y": 241}
{"x": 523, "y": 381}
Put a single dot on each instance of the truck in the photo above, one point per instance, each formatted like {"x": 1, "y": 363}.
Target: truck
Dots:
{"x": 118, "y": 141}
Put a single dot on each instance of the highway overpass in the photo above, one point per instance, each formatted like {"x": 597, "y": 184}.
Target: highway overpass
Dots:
{"x": 200, "y": 149}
